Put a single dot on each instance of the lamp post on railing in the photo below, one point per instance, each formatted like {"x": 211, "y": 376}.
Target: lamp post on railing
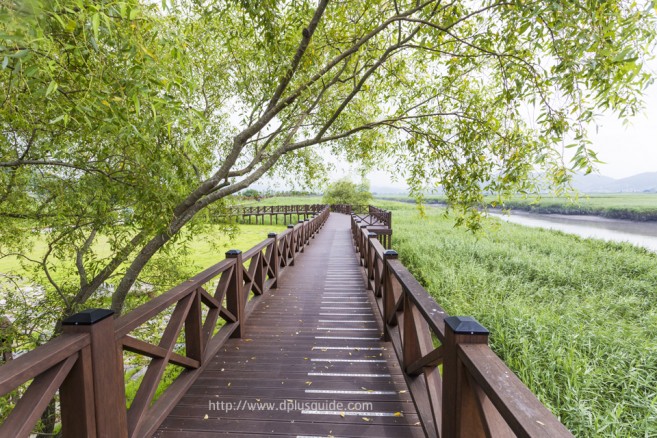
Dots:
{"x": 460, "y": 412}
{"x": 94, "y": 394}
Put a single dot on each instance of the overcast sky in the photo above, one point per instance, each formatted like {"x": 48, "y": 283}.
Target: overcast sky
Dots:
{"x": 626, "y": 150}
{"x": 632, "y": 149}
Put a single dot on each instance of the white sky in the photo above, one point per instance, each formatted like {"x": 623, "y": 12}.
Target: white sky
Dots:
{"x": 632, "y": 149}
{"x": 625, "y": 149}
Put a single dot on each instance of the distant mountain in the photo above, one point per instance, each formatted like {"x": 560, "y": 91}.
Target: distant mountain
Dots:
{"x": 643, "y": 182}
{"x": 388, "y": 190}
{"x": 638, "y": 183}
{"x": 592, "y": 183}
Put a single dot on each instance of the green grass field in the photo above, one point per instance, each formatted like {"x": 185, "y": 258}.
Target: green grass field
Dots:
{"x": 206, "y": 249}
{"x": 576, "y": 319}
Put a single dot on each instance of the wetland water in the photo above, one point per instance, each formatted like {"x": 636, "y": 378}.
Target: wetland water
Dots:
{"x": 638, "y": 233}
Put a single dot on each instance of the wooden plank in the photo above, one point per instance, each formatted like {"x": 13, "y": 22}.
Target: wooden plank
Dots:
{"x": 200, "y": 428}
{"x": 177, "y": 389}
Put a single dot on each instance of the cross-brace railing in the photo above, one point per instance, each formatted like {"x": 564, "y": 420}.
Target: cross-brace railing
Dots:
{"x": 86, "y": 362}
{"x": 460, "y": 387}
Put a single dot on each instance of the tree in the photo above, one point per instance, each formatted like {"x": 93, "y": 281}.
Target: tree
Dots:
{"x": 252, "y": 193}
{"x": 346, "y": 192}
{"x": 127, "y": 120}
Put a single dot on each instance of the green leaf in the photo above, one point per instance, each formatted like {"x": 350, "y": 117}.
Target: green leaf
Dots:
{"x": 95, "y": 24}
{"x": 135, "y": 100}
{"x": 52, "y": 87}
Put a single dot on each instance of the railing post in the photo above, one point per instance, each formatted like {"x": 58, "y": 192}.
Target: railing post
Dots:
{"x": 301, "y": 236}
{"x": 460, "y": 412}
{"x": 293, "y": 243}
{"x": 194, "y": 341}
{"x": 307, "y": 233}
{"x": 235, "y": 294}
{"x": 274, "y": 261}
{"x": 362, "y": 246}
{"x": 102, "y": 367}
{"x": 370, "y": 259}
{"x": 388, "y": 297}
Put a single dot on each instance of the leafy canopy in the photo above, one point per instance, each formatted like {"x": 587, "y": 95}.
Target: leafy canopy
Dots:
{"x": 129, "y": 120}
{"x": 346, "y": 192}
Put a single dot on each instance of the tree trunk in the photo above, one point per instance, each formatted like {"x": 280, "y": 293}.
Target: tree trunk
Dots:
{"x": 135, "y": 268}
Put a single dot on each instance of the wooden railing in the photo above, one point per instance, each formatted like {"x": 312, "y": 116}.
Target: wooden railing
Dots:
{"x": 376, "y": 221}
{"x": 349, "y": 208}
{"x": 86, "y": 362}
{"x": 383, "y": 216}
{"x": 476, "y": 395}
{"x": 289, "y": 213}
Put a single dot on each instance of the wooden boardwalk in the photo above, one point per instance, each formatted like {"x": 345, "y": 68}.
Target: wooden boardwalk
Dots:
{"x": 305, "y": 357}
{"x": 310, "y": 344}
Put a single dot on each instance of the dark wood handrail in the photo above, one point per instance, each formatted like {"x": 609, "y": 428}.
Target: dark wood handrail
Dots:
{"x": 476, "y": 395}
{"x": 85, "y": 363}
{"x": 35, "y": 362}
{"x": 290, "y": 213}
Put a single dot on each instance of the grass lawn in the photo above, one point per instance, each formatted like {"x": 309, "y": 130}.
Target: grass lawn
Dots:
{"x": 206, "y": 249}
{"x": 576, "y": 319}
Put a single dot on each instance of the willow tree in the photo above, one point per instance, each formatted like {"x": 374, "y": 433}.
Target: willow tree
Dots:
{"x": 125, "y": 120}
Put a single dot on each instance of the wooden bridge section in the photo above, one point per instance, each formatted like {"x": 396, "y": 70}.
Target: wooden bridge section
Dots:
{"x": 312, "y": 346}
{"x": 317, "y": 331}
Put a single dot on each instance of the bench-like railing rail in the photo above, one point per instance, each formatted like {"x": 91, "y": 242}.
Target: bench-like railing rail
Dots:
{"x": 476, "y": 395}
{"x": 86, "y": 364}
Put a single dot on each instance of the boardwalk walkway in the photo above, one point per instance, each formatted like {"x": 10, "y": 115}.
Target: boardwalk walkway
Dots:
{"x": 314, "y": 339}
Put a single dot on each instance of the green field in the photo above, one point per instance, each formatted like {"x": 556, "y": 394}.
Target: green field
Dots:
{"x": 635, "y": 206}
{"x": 205, "y": 249}
{"x": 576, "y": 319}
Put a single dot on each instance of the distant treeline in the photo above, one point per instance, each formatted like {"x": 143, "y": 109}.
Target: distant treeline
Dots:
{"x": 634, "y": 207}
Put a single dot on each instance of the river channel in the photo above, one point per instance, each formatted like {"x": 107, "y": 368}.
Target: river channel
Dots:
{"x": 638, "y": 233}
